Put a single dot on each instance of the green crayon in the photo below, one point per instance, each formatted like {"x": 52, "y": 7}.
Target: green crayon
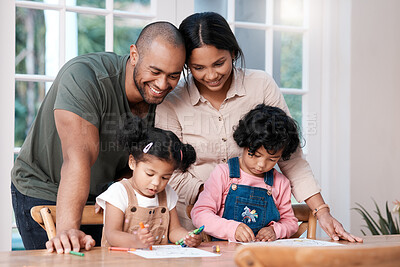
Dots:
{"x": 194, "y": 232}
{"x": 76, "y": 253}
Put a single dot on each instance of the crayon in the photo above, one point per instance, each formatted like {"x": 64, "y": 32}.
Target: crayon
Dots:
{"x": 76, "y": 253}
{"x": 121, "y": 249}
{"x": 194, "y": 232}
{"x": 216, "y": 249}
{"x": 142, "y": 226}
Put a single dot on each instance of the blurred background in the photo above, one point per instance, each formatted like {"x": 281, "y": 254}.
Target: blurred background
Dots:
{"x": 337, "y": 63}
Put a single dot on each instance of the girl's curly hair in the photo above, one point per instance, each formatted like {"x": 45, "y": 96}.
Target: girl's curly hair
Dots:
{"x": 269, "y": 127}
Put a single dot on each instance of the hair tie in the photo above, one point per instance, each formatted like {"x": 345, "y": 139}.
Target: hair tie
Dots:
{"x": 147, "y": 148}
{"x": 181, "y": 154}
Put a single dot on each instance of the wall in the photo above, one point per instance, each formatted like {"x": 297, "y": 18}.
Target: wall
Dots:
{"x": 375, "y": 108}
{"x": 7, "y": 55}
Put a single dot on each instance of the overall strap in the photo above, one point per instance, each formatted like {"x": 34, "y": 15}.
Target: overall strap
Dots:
{"x": 269, "y": 177}
{"x": 162, "y": 198}
{"x": 132, "y": 200}
{"x": 234, "y": 167}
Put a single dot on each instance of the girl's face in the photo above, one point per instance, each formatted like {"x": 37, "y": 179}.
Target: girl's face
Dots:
{"x": 260, "y": 163}
{"x": 150, "y": 176}
{"x": 211, "y": 68}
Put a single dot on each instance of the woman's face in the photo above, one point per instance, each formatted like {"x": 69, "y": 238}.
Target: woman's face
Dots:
{"x": 211, "y": 68}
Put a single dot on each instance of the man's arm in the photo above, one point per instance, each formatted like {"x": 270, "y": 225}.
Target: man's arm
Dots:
{"x": 80, "y": 148}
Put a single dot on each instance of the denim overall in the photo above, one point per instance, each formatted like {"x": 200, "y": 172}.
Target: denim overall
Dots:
{"x": 254, "y": 206}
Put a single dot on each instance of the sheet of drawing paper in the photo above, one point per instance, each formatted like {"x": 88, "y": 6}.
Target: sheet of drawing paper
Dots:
{"x": 296, "y": 242}
{"x": 172, "y": 251}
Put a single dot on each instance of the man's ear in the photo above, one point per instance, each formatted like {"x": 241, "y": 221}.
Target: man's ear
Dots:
{"x": 132, "y": 162}
{"x": 134, "y": 55}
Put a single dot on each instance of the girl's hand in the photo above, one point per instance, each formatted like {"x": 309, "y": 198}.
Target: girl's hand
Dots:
{"x": 192, "y": 240}
{"x": 266, "y": 234}
{"x": 333, "y": 228}
{"x": 145, "y": 237}
{"x": 244, "y": 233}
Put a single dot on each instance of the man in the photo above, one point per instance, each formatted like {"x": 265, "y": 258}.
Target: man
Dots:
{"x": 70, "y": 153}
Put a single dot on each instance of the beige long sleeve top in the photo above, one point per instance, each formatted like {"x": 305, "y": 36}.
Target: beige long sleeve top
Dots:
{"x": 209, "y": 130}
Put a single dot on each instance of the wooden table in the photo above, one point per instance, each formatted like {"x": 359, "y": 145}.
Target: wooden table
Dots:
{"x": 376, "y": 251}
{"x": 102, "y": 257}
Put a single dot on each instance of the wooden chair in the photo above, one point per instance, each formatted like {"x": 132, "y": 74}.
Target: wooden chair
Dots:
{"x": 45, "y": 216}
{"x": 338, "y": 256}
{"x": 308, "y": 222}
{"x": 302, "y": 212}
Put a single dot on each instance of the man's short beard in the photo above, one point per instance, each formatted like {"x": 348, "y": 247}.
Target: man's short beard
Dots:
{"x": 140, "y": 89}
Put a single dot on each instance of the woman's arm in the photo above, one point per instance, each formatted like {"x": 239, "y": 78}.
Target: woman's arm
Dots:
{"x": 186, "y": 185}
{"x": 298, "y": 171}
{"x": 115, "y": 236}
{"x": 328, "y": 223}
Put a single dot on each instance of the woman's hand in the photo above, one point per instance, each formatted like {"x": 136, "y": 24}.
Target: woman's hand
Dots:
{"x": 334, "y": 228}
{"x": 266, "y": 234}
{"x": 244, "y": 233}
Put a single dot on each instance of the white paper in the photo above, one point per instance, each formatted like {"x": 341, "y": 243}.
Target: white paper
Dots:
{"x": 296, "y": 242}
{"x": 172, "y": 251}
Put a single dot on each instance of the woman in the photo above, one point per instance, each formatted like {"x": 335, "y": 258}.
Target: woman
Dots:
{"x": 203, "y": 109}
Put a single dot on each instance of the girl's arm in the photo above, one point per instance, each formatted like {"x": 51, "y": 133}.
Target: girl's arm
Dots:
{"x": 208, "y": 206}
{"x": 176, "y": 231}
{"x": 115, "y": 236}
{"x": 288, "y": 223}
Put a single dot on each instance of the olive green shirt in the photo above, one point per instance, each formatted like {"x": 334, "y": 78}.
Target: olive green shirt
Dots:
{"x": 93, "y": 87}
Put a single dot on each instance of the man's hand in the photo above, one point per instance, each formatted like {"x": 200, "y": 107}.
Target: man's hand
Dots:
{"x": 266, "y": 234}
{"x": 80, "y": 147}
{"x": 244, "y": 233}
{"x": 75, "y": 239}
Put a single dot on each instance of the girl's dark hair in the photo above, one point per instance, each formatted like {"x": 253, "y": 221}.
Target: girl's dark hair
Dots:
{"x": 269, "y": 127}
{"x": 209, "y": 28}
{"x": 134, "y": 136}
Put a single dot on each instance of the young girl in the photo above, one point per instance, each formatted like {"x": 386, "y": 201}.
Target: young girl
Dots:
{"x": 246, "y": 199}
{"x": 146, "y": 197}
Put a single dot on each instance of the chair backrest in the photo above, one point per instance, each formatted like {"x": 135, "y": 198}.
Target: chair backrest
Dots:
{"x": 349, "y": 256}
{"x": 45, "y": 216}
{"x": 308, "y": 222}
{"x": 302, "y": 212}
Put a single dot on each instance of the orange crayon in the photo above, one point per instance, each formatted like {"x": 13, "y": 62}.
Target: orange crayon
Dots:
{"x": 141, "y": 224}
{"x": 121, "y": 249}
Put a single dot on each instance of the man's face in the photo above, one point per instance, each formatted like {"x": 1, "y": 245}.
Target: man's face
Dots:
{"x": 158, "y": 70}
